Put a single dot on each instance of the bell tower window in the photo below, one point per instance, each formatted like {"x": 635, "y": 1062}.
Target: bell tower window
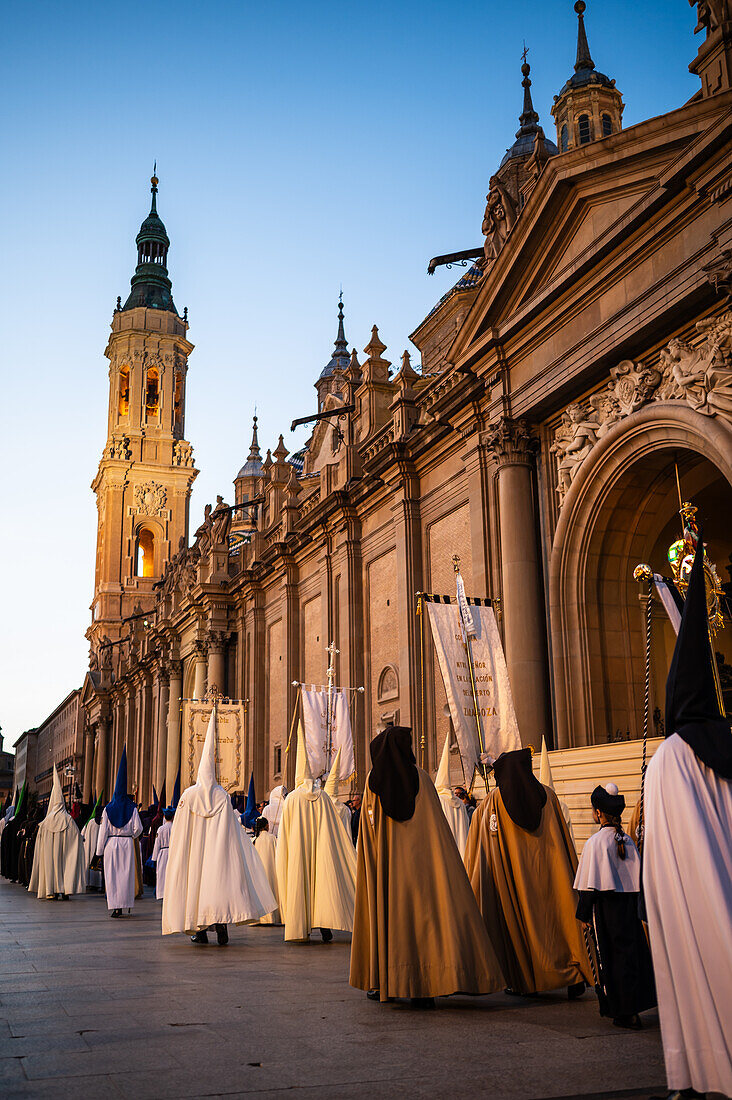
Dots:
{"x": 152, "y": 392}
{"x": 564, "y": 138}
{"x": 145, "y": 553}
{"x": 607, "y": 126}
{"x": 585, "y": 129}
{"x": 123, "y": 403}
{"x": 178, "y": 404}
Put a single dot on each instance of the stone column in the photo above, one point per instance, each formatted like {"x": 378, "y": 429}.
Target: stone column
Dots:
{"x": 216, "y": 669}
{"x": 199, "y": 684}
{"x": 408, "y": 581}
{"x": 88, "y": 784}
{"x": 172, "y": 757}
{"x": 161, "y": 754}
{"x": 524, "y": 617}
{"x": 102, "y": 756}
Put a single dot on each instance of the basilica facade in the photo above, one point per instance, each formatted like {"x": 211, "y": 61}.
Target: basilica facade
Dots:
{"x": 573, "y": 381}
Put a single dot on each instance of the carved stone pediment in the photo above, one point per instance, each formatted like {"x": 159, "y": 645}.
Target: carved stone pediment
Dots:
{"x": 150, "y": 498}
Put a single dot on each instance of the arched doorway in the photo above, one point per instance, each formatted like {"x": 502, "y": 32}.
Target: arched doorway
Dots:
{"x": 622, "y": 509}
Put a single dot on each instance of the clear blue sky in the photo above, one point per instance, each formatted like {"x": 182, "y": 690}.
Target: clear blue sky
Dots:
{"x": 299, "y": 147}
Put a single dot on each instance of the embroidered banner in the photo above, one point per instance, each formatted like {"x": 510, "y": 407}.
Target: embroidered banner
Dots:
{"x": 495, "y": 701}
{"x": 230, "y": 763}
{"x": 315, "y": 726}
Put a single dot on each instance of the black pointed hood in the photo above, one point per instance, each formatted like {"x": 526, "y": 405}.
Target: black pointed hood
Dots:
{"x": 693, "y": 708}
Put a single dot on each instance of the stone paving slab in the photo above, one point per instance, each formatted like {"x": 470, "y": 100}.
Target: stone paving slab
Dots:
{"x": 99, "y": 1008}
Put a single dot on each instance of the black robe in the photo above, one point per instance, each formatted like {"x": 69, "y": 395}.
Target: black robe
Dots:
{"x": 625, "y": 959}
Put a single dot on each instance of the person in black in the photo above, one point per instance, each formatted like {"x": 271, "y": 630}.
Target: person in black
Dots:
{"x": 608, "y": 880}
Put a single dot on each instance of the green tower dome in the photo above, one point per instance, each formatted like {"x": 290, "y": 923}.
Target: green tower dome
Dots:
{"x": 150, "y": 285}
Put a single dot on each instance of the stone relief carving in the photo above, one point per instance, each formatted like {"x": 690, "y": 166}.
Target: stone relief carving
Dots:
{"x": 711, "y": 13}
{"x": 700, "y": 375}
{"x": 499, "y": 218}
{"x": 120, "y": 447}
{"x": 182, "y": 453}
{"x": 150, "y": 498}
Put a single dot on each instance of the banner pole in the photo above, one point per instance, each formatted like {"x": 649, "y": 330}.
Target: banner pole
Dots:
{"x": 294, "y": 717}
{"x": 423, "y": 739}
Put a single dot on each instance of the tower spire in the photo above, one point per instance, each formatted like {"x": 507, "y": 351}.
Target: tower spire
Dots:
{"x": 341, "y": 347}
{"x": 150, "y": 285}
{"x": 584, "y": 60}
{"x": 528, "y": 118}
{"x": 154, "y": 181}
{"x": 254, "y": 453}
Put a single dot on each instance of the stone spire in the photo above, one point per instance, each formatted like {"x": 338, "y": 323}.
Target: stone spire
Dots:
{"x": 150, "y": 285}
{"x": 529, "y": 128}
{"x": 253, "y": 465}
{"x": 584, "y": 60}
{"x": 340, "y": 358}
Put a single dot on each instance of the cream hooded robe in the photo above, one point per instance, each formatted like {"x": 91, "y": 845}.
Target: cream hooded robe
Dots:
{"x": 266, "y": 848}
{"x": 332, "y": 787}
{"x": 213, "y": 876}
{"x": 58, "y": 860}
{"x": 454, "y": 810}
{"x": 316, "y": 860}
{"x": 546, "y": 777}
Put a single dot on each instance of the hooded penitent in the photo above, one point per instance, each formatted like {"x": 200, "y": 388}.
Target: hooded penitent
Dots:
{"x": 316, "y": 861}
{"x": 120, "y": 809}
{"x": 58, "y": 859}
{"x": 332, "y": 787}
{"x": 9, "y": 841}
{"x": 687, "y": 862}
{"x": 417, "y": 929}
{"x": 265, "y": 846}
{"x": 520, "y": 850}
{"x": 250, "y": 811}
{"x": 454, "y": 808}
{"x": 119, "y": 827}
{"x": 213, "y": 875}
{"x": 89, "y": 836}
{"x": 547, "y": 779}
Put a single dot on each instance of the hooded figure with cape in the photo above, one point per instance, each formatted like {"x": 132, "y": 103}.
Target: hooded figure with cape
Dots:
{"x": 417, "y": 932}
{"x": 521, "y": 862}
{"x": 316, "y": 862}
{"x": 58, "y": 859}
{"x": 161, "y": 848}
{"x": 687, "y": 862}
{"x": 273, "y": 810}
{"x": 454, "y": 808}
{"x": 119, "y": 828}
{"x": 214, "y": 876}
{"x": 332, "y": 789}
{"x": 265, "y": 846}
{"x": 89, "y": 836}
{"x": 10, "y": 839}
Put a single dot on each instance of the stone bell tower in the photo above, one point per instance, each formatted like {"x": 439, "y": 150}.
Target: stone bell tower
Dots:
{"x": 146, "y": 472}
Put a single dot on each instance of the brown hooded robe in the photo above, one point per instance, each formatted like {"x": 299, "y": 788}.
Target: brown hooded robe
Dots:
{"x": 417, "y": 930}
{"x": 523, "y": 883}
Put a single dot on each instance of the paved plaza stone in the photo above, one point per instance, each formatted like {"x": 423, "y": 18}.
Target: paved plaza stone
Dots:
{"x": 92, "y": 1007}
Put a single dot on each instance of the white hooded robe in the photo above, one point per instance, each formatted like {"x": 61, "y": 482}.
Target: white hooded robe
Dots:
{"x": 266, "y": 848}
{"x": 332, "y": 789}
{"x": 687, "y": 881}
{"x": 316, "y": 860}
{"x": 161, "y": 849}
{"x": 213, "y": 876}
{"x": 58, "y": 859}
{"x": 118, "y": 848}
{"x": 273, "y": 810}
{"x": 453, "y": 808}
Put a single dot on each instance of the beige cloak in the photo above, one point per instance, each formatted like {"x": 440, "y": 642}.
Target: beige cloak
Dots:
{"x": 332, "y": 789}
{"x": 266, "y": 848}
{"x": 417, "y": 929}
{"x": 316, "y": 861}
{"x": 58, "y": 860}
{"x": 523, "y": 883}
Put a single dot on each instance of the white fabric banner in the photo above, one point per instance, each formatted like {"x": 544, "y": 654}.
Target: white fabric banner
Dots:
{"x": 495, "y": 701}
{"x": 315, "y": 725}
{"x": 668, "y": 601}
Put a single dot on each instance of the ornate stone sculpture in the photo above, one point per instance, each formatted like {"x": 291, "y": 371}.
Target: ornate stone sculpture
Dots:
{"x": 150, "y": 498}
{"x": 182, "y": 453}
{"x": 221, "y": 523}
{"x": 203, "y": 533}
{"x": 711, "y": 13}
{"x": 499, "y": 218}
{"x": 573, "y": 440}
{"x": 120, "y": 448}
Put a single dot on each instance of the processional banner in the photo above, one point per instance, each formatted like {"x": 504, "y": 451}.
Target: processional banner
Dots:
{"x": 496, "y": 711}
{"x": 315, "y": 726}
{"x": 230, "y": 762}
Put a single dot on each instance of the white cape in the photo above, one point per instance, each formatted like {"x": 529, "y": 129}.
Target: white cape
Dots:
{"x": 161, "y": 849}
{"x": 453, "y": 808}
{"x": 58, "y": 859}
{"x": 273, "y": 810}
{"x": 214, "y": 876}
{"x": 118, "y": 848}
{"x": 316, "y": 865}
{"x": 601, "y": 868}
{"x": 266, "y": 848}
{"x": 687, "y": 881}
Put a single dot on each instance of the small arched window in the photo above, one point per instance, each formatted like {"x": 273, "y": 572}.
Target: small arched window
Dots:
{"x": 585, "y": 130}
{"x": 178, "y": 404}
{"x": 145, "y": 554}
{"x": 607, "y": 126}
{"x": 564, "y": 138}
{"x": 123, "y": 403}
{"x": 152, "y": 392}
